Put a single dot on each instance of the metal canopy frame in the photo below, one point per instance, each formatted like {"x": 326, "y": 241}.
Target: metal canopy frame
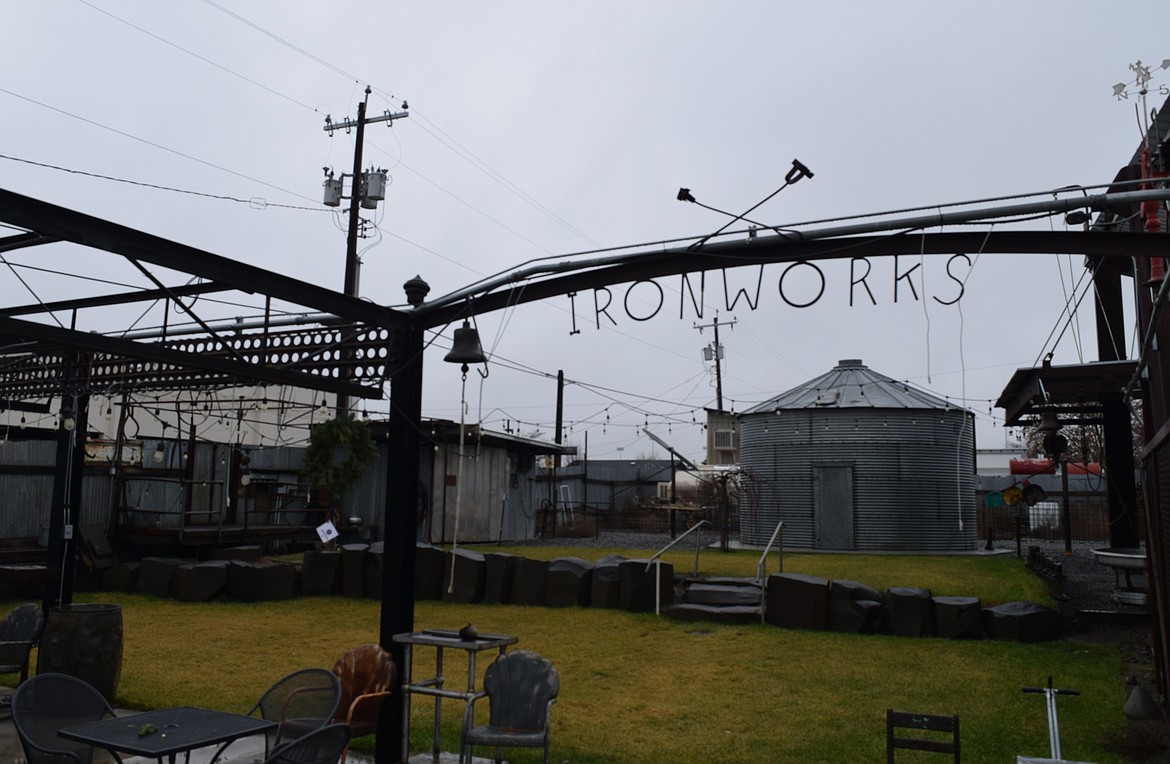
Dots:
{"x": 1074, "y": 389}
{"x": 351, "y": 354}
{"x": 780, "y": 249}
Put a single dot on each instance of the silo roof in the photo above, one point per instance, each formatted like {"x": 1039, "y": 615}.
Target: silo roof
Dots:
{"x": 852, "y": 384}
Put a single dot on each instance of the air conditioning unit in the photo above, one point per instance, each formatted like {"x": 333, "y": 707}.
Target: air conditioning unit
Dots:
{"x": 725, "y": 440}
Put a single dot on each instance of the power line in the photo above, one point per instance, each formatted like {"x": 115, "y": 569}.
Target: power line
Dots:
{"x": 255, "y": 203}
{"x": 193, "y": 54}
{"x": 152, "y": 144}
{"x": 434, "y": 130}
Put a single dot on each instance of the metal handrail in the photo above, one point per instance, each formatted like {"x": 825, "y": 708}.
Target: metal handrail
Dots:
{"x": 658, "y": 568}
{"x": 761, "y": 566}
{"x": 686, "y": 533}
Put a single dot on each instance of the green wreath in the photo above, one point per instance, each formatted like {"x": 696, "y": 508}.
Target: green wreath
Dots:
{"x": 342, "y": 433}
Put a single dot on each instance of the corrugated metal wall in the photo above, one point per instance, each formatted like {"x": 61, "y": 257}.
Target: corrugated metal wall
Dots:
{"x": 494, "y": 482}
{"x": 610, "y": 485}
{"x": 913, "y": 476}
{"x": 499, "y": 497}
{"x": 25, "y": 500}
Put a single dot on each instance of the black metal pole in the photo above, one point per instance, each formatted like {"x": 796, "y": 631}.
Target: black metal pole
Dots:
{"x": 70, "y": 464}
{"x": 398, "y": 574}
{"x": 1066, "y": 506}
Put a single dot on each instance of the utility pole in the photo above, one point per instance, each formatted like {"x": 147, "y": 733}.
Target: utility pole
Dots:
{"x": 366, "y": 190}
{"x": 715, "y": 351}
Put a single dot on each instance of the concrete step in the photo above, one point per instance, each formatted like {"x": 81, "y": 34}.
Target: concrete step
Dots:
{"x": 722, "y": 594}
{"x": 733, "y": 614}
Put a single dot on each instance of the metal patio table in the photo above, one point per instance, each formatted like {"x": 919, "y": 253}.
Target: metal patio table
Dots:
{"x": 176, "y": 730}
{"x": 441, "y": 639}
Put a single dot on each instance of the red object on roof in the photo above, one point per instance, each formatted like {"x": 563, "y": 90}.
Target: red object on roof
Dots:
{"x": 1033, "y": 467}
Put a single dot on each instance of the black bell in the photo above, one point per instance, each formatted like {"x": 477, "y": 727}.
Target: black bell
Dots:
{"x": 465, "y": 348}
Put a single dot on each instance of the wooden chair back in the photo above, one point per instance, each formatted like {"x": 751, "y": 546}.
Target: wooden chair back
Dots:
{"x": 367, "y": 674}
{"x": 936, "y": 733}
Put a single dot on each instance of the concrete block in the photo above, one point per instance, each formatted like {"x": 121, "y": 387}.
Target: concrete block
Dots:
{"x": 353, "y": 568}
{"x": 528, "y": 578}
{"x": 909, "y": 611}
{"x": 639, "y": 586}
{"x": 469, "y": 575}
{"x": 855, "y": 608}
{"x": 1021, "y": 622}
{"x": 154, "y": 575}
{"x": 569, "y": 582}
{"x": 261, "y": 581}
{"x": 498, "y": 572}
{"x": 428, "y": 572}
{"x": 122, "y": 577}
{"x": 796, "y": 601}
{"x": 372, "y": 570}
{"x": 958, "y": 617}
{"x": 200, "y": 581}
{"x": 606, "y": 586}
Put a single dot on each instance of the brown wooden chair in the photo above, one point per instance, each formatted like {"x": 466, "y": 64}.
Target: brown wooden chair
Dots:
{"x": 947, "y": 742}
{"x": 367, "y": 674}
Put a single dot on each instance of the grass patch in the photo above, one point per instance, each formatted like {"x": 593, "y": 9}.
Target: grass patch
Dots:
{"x": 636, "y": 688}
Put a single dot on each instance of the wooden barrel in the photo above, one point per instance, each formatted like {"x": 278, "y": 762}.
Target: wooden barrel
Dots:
{"x": 84, "y": 641}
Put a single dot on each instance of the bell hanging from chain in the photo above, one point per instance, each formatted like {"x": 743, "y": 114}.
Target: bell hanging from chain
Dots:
{"x": 465, "y": 347}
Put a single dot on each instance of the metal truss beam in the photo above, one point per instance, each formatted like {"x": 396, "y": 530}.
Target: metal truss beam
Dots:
{"x": 58, "y": 223}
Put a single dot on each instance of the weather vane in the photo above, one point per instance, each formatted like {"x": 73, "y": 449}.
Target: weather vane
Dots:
{"x": 1141, "y": 81}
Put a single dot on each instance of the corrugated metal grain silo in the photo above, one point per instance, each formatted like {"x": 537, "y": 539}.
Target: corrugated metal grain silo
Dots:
{"x": 854, "y": 460}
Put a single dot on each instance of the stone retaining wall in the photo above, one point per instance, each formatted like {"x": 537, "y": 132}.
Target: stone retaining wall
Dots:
{"x": 791, "y": 600}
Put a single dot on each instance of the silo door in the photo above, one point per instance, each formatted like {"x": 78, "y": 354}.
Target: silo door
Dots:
{"x": 833, "y": 494}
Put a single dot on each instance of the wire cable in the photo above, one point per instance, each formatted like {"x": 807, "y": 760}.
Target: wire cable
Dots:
{"x": 152, "y": 144}
{"x": 255, "y": 203}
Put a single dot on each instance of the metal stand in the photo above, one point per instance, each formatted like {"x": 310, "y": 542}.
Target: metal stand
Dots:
{"x": 440, "y": 639}
{"x": 1050, "y": 694}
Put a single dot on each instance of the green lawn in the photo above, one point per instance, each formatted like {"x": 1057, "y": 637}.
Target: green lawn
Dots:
{"x": 637, "y": 688}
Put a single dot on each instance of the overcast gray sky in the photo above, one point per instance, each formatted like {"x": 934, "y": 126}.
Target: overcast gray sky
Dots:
{"x": 541, "y": 129}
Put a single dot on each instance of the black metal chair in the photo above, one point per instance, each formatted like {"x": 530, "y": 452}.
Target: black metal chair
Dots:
{"x": 19, "y": 632}
{"x": 948, "y": 742}
{"x": 521, "y": 688}
{"x": 50, "y": 702}
{"x": 299, "y": 703}
{"x": 324, "y": 745}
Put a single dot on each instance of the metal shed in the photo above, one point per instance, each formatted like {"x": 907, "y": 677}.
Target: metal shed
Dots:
{"x": 854, "y": 460}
